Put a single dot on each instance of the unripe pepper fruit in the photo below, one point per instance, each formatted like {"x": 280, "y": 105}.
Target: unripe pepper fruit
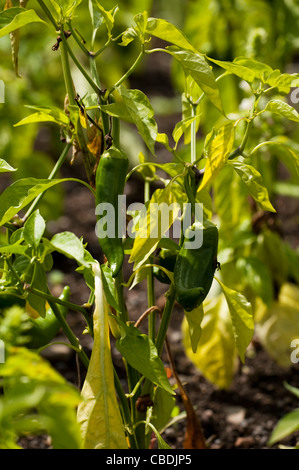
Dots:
{"x": 194, "y": 269}
{"x": 110, "y": 183}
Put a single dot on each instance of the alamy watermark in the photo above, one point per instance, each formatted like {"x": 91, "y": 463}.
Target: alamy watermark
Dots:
{"x": 295, "y": 354}
{"x": 294, "y": 95}
{"x": 2, "y": 92}
{"x": 151, "y": 222}
{"x": 2, "y": 352}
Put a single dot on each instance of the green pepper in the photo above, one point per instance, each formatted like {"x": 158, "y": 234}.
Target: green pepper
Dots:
{"x": 42, "y": 330}
{"x": 167, "y": 259}
{"x": 110, "y": 183}
{"x": 195, "y": 267}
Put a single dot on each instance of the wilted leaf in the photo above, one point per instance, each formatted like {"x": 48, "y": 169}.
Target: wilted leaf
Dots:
{"x": 216, "y": 352}
{"x": 98, "y": 413}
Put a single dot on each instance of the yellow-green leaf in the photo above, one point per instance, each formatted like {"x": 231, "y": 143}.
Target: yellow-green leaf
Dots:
{"x": 98, "y": 413}
{"x": 216, "y": 352}
{"x": 218, "y": 152}
{"x": 164, "y": 208}
{"x": 242, "y": 319}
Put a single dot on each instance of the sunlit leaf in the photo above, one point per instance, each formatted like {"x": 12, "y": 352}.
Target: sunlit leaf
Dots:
{"x": 5, "y": 167}
{"x": 283, "y": 109}
{"x": 162, "y": 29}
{"x": 142, "y": 114}
{"x": 216, "y": 352}
{"x": 218, "y": 152}
{"x": 14, "y": 18}
{"x": 254, "y": 183}
{"x": 197, "y": 67}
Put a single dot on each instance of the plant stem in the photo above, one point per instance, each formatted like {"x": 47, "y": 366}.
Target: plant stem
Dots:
{"x": 48, "y": 13}
{"x": 75, "y": 36}
{"x": 128, "y": 73}
{"x": 70, "y": 89}
{"x": 64, "y": 303}
{"x": 193, "y": 133}
{"x": 69, "y": 333}
{"x": 150, "y": 282}
{"x": 87, "y": 77}
{"x": 51, "y": 176}
{"x": 125, "y": 410}
{"x": 170, "y": 300}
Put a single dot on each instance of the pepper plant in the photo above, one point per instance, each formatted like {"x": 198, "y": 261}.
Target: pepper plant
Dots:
{"x": 109, "y": 416}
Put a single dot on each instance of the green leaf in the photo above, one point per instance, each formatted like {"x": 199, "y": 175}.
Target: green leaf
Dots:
{"x": 34, "y": 229}
{"x": 19, "y": 194}
{"x": 216, "y": 353}
{"x": 194, "y": 319}
{"x": 53, "y": 400}
{"x": 109, "y": 287}
{"x": 253, "y": 181}
{"x": 240, "y": 71}
{"x": 242, "y": 319}
{"x": 162, "y": 29}
{"x": 285, "y": 426}
{"x": 196, "y": 66}
{"x": 164, "y": 207}
{"x": 45, "y": 114}
{"x": 14, "y": 18}
{"x": 5, "y": 167}
{"x": 15, "y": 248}
{"x": 108, "y": 16}
{"x": 164, "y": 403}
{"x": 71, "y": 246}
{"x": 283, "y": 109}
{"x": 257, "y": 276}
{"x": 147, "y": 360}
{"x": 67, "y": 7}
{"x": 118, "y": 110}
{"x": 98, "y": 413}
{"x": 261, "y": 71}
{"x": 39, "y": 282}
{"x": 142, "y": 115}
{"x": 181, "y": 127}
{"x": 218, "y": 151}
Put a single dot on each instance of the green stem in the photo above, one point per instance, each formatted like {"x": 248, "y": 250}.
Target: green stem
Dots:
{"x": 69, "y": 333}
{"x": 193, "y": 134}
{"x": 48, "y": 13}
{"x": 170, "y": 300}
{"x": 65, "y": 51}
{"x": 70, "y": 89}
{"x": 239, "y": 151}
{"x": 128, "y": 73}
{"x": 150, "y": 282}
{"x": 51, "y": 176}
{"x": 77, "y": 39}
{"x": 148, "y": 386}
{"x": 64, "y": 303}
{"x": 125, "y": 410}
{"x": 87, "y": 77}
